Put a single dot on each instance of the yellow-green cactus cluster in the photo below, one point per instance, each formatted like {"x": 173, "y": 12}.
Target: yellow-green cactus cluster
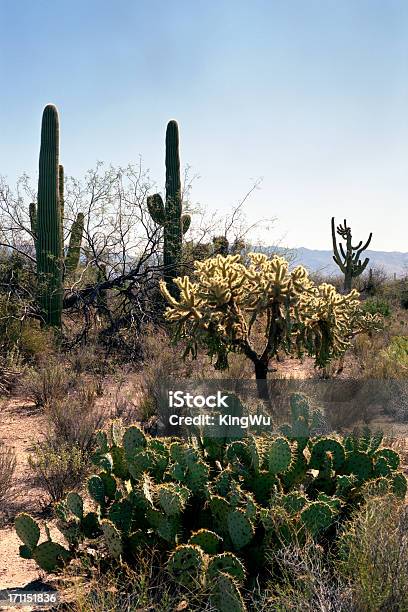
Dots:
{"x": 219, "y": 307}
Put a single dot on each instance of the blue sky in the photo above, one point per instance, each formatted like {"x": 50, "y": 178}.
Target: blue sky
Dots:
{"x": 311, "y": 95}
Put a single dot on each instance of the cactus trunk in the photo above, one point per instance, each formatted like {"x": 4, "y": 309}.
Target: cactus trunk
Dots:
{"x": 49, "y": 243}
{"x": 172, "y": 228}
{"x": 170, "y": 216}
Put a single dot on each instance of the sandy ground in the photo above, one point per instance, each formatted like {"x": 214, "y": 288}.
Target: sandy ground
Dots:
{"x": 21, "y": 425}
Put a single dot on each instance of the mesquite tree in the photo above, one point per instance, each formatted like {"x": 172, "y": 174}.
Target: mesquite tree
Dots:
{"x": 224, "y": 307}
{"x": 349, "y": 262}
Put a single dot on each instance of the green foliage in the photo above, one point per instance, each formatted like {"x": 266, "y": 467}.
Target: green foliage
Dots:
{"x": 375, "y": 306}
{"x": 57, "y": 467}
{"x": 16, "y": 274}
{"x": 213, "y": 518}
{"x": 169, "y": 215}
{"x": 398, "y": 350}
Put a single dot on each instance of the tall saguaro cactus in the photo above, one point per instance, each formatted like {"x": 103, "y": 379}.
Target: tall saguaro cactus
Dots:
{"x": 349, "y": 262}
{"x": 170, "y": 216}
{"x": 47, "y": 223}
{"x": 48, "y": 217}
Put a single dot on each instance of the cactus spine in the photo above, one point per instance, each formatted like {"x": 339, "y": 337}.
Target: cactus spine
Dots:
{"x": 170, "y": 216}
{"x": 349, "y": 262}
{"x": 46, "y": 219}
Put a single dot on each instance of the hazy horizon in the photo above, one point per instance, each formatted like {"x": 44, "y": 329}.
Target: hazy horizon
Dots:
{"x": 312, "y": 97}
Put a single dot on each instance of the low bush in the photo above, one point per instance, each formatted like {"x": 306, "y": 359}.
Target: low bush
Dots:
{"x": 398, "y": 350}
{"x": 50, "y": 382}
{"x": 308, "y": 581}
{"x": 377, "y": 306}
{"x": 161, "y": 361}
{"x": 7, "y": 469}
{"x": 74, "y": 419}
{"x": 374, "y": 549}
{"x": 57, "y": 468}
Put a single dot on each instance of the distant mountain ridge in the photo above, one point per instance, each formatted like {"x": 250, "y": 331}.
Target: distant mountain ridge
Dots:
{"x": 392, "y": 262}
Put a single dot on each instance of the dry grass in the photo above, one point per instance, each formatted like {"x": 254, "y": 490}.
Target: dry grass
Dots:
{"x": 375, "y": 353}
{"x": 74, "y": 419}
{"x": 7, "y": 468}
{"x": 375, "y": 552}
{"x": 52, "y": 381}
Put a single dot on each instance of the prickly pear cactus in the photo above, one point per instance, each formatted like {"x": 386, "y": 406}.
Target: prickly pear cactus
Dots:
{"x": 227, "y": 563}
{"x": 226, "y": 596}
{"x": 186, "y": 564}
{"x": 27, "y": 530}
{"x": 112, "y": 538}
{"x": 213, "y": 520}
{"x": 207, "y": 540}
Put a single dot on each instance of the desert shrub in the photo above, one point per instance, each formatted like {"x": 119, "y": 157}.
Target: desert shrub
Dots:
{"x": 75, "y": 418}
{"x": 52, "y": 381}
{"x": 213, "y": 507}
{"x": 161, "y": 362}
{"x": 58, "y": 467}
{"x": 16, "y": 274}
{"x": 374, "y": 548}
{"x": 7, "y": 469}
{"x": 89, "y": 359}
{"x": 372, "y": 283}
{"x": 144, "y": 586}
{"x": 384, "y": 357}
{"x": 396, "y": 399}
{"x": 377, "y": 306}
{"x": 11, "y": 370}
{"x": 307, "y": 581}
{"x": 36, "y": 344}
{"x": 404, "y": 299}
{"x": 398, "y": 350}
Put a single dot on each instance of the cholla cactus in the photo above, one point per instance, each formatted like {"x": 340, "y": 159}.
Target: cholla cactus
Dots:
{"x": 218, "y": 311}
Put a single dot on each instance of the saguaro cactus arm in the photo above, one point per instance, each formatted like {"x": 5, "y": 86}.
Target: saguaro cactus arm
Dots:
{"x": 61, "y": 199}
{"x": 185, "y": 223}
{"x": 74, "y": 247}
{"x": 33, "y": 220}
{"x": 156, "y": 209}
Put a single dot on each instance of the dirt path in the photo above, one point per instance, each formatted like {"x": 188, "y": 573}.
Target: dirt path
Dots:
{"x": 21, "y": 426}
